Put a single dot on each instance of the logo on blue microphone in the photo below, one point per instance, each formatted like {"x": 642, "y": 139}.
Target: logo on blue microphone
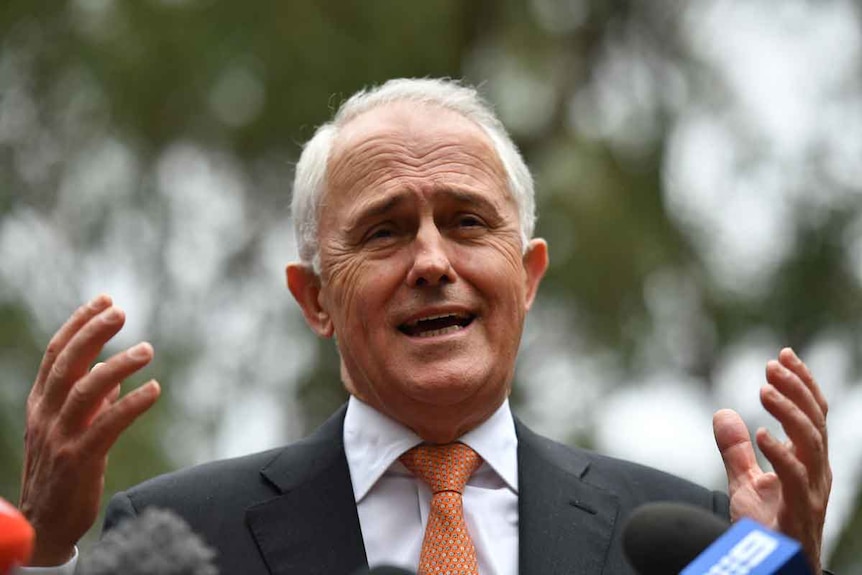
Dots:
{"x": 748, "y": 548}
{"x": 746, "y": 555}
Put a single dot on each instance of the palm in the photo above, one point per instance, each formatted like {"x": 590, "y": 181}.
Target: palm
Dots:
{"x": 760, "y": 498}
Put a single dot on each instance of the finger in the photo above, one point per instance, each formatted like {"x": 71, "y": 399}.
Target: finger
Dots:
{"x": 790, "y": 384}
{"x": 108, "y": 426}
{"x": 88, "y": 395}
{"x": 791, "y": 472}
{"x": 737, "y": 452}
{"x": 805, "y": 504}
{"x": 58, "y": 342}
{"x": 791, "y": 361}
{"x": 114, "y": 394}
{"x": 79, "y": 353}
{"x": 795, "y": 481}
{"x": 807, "y": 440}
{"x": 105, "y": 404}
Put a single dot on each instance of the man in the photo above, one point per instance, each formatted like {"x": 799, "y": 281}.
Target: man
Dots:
{"x": 414, "y": 216}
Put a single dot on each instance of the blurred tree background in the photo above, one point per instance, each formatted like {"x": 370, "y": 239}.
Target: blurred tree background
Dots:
{"x": 699, "y": 178}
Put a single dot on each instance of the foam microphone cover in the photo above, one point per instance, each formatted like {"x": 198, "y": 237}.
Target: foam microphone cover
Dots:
{"x": 157, "y": 542}
{"x": 16, "y": 537}
{"x": 662, "y": 538}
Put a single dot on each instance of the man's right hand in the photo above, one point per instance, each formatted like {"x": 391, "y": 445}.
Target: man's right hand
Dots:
{"x": 74, "y": 416}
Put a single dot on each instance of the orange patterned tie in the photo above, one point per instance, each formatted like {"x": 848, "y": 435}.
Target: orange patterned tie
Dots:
{"x": 447, "y": 547}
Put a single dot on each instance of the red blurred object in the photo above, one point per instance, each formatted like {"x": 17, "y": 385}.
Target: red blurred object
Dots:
{"x": 16, "y": 537}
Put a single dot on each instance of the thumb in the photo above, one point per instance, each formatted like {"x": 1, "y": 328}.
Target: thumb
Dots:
{"x": 734, "y": 444}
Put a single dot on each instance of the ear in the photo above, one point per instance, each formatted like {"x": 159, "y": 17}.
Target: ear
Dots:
{"x": 535, "y": 266}
{"x": 304, "y": 284}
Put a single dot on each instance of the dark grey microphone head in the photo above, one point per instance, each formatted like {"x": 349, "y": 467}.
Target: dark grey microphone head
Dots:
{"x": 662, "y": 538}
{"x": 157, "y": 542}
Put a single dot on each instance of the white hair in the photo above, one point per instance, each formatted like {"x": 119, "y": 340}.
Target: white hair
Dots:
{"x": 309, "y": 182}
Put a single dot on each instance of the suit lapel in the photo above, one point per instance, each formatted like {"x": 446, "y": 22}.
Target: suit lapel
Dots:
{"x": 565, "y": 524}
{"x": 312, "y": 526}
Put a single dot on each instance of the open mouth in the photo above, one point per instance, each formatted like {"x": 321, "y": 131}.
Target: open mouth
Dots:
{"x": 437, "y": 325}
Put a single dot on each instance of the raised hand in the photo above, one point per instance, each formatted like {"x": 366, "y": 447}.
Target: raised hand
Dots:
{"x": 74, "y": 416}
{"x": 793, "y": 497}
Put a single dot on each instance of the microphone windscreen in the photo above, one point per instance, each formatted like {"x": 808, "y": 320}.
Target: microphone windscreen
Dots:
{"x": 662, "y": 538}
{"x": 157, "y": 542}
{"x": 16, "y": 537}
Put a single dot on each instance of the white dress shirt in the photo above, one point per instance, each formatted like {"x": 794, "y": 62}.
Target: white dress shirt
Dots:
{"x": 393, "y": 505}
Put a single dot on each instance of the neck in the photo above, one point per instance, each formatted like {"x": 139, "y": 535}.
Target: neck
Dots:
{"x": 437, "y": 424}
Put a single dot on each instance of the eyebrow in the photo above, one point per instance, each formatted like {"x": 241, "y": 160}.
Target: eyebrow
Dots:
{"x": 467, "y": 197}
{"x": 375, "y": 209}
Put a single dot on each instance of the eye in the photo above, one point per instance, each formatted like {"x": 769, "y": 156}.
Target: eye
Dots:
{"x": 470, "y": 221}
{"x": 381, "y": 232}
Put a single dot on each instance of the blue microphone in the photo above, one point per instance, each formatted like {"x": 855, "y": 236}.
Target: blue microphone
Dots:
{"x": 677, "y": 539}
{"x": 749, "y": 548}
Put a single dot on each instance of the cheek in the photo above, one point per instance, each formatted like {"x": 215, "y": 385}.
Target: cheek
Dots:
{"x": 497, "y": 272}
{"x": 357, "y": 290}
{"x": 342, "y": 286}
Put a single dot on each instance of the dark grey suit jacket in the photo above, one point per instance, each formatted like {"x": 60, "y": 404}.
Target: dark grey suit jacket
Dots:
{"x": 291, "y": 510}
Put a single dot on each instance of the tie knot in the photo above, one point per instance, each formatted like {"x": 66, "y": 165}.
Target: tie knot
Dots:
{"x": 443, "y": 467}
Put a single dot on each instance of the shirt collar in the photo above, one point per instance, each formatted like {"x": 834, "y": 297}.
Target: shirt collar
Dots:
{"x": 373, "y": 442}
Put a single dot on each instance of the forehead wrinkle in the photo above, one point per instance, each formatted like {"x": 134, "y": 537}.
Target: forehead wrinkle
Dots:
{"x": 448, "y": 151}
{"x": 373, "y": 155}
{"x": 358, "y": 171}
{"x": 352, "y": 167}
{"x": 418, "y": 154}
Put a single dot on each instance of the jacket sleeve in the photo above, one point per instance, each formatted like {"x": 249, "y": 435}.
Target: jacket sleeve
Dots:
{"x": 119, "y": 509}
{"x": 721, "y": 504}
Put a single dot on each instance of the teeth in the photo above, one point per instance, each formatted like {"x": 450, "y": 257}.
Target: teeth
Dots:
{"x": 436, "y": 332}
{"x": 436, "y": 325}
{"x": 433, "y": 317}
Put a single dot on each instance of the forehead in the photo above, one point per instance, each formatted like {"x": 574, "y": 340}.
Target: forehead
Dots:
{"x": 415, "y": 147}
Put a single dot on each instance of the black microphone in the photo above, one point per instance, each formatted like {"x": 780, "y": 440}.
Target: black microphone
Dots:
{"x": 662, "y": 538}
{"x": 157, "y": 542}
{"x": 672, "y": 538}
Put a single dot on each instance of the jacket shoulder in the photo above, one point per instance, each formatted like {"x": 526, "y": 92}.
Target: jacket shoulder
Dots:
{"x": 241, "y": 481}
{"x": 201, "y": 486}
{"x": 632, "y": 483}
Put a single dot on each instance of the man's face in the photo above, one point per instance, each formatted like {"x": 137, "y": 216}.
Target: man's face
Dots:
{"x": 423, "y": 280}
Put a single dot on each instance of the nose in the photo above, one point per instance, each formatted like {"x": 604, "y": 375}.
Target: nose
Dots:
{"x": 431, "y": 265}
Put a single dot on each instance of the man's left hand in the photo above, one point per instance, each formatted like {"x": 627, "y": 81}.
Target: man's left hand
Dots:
{"x": 792, "y": 498}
